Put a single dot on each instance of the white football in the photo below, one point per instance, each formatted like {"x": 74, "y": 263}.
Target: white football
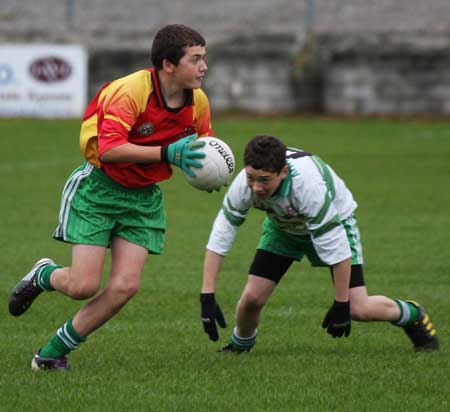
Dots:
{"x": 218, "y": 165}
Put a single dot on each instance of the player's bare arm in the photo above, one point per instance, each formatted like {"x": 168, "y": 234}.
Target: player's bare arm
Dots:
{"x": 210, "y": 310}
{"x": 183, "y": 153}
{"x": 211, "y": 268}
{"x": 341, "y": 274}
{"x": 130, "y": 152}
{"x": 337, "y": 321}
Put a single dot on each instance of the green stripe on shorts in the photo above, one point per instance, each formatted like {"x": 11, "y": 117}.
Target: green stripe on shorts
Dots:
{"x": 354, "y": 239}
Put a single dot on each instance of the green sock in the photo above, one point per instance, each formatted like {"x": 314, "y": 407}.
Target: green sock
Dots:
{"x": 43, "y": 277}
{"x": 408, "y": 313}
{"x": 66, "y": 340}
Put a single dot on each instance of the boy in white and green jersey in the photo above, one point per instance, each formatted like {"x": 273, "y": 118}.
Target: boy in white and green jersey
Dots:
{"x": 310, "y": 211}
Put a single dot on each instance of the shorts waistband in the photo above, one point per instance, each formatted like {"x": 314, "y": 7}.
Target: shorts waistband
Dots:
{"x": 99, "y": 174}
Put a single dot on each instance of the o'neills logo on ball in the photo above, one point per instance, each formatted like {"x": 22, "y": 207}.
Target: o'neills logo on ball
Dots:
{"x": 223, "y": 152}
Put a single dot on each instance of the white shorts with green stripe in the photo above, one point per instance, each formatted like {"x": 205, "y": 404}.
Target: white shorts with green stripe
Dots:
{"x": 282, "y": 243}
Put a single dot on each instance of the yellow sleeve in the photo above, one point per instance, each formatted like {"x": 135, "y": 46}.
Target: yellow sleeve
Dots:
{"x": 202, "y": 114}
{"x": 112, "y": 113}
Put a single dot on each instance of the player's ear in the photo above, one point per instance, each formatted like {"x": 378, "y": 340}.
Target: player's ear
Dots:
{"x": 284, "y": 172}
{"x": 167, "y": 66}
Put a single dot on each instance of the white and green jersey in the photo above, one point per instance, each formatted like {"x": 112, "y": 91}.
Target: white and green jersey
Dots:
{"x": 312, "y": 200}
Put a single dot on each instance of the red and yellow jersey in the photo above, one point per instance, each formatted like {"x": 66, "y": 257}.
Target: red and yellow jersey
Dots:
{"x": 132, "y": 110}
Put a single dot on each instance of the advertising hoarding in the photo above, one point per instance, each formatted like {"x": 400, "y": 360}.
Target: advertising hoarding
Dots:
{"x": 42, "y": 80}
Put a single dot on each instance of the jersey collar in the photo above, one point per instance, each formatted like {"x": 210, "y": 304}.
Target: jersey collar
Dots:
{"x": 160, "y": 98}
{"x": 285, "y": 186}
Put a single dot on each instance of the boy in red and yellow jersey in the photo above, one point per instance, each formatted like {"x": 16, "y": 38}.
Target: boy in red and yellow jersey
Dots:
{"x": 133, "y": 131}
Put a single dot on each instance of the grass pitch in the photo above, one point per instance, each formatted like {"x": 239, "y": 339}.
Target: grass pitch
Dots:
{"x": 154, "y": 355}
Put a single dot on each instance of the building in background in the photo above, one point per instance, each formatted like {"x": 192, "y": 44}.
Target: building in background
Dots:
{"x": 349, "y": 57}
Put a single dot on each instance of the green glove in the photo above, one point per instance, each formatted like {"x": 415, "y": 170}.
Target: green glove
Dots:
{"x": 183, "y": 153}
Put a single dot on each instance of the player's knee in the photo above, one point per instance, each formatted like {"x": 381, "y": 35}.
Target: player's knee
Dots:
{"x": 360, "y": 312}
{"x": 124, "y": 290}
{"x": 83, "y": 290}
{"x": 252, "y": 301}
{"x": 81, "y": 284}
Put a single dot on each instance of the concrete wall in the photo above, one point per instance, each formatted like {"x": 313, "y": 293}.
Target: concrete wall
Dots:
{"x": 390, "y": 74}
{"x": 387, "y": 74}
{"x": 253, "y": 74}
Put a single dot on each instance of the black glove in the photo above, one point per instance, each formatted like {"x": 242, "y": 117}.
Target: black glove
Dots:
{"x": 337, "y": 321}
{"x": 210, "y": 314}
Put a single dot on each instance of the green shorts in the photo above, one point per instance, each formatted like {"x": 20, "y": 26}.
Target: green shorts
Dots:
{"x": 94, "y": 209}
{"x": 276, "y": 241}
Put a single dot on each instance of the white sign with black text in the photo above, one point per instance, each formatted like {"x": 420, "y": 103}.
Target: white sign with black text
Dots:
{"x": 42, "y": 80}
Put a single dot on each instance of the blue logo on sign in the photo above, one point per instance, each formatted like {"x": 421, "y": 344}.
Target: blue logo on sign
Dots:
{"x": 6, "y": 74}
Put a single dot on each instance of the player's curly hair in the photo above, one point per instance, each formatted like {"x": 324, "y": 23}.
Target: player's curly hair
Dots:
{"x": 265, "y": 152}
{"x": 170, "y": 41}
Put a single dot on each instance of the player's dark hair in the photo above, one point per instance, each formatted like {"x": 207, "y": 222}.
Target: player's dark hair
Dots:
{"x": 170, "y": 41}
{"x": 265, "y": 152}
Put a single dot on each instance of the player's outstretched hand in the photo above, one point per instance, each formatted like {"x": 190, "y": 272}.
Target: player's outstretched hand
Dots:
{"x": 337, "y": 321}
{"x": 183, "y": 154}
{"x": 210, "y": 314}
